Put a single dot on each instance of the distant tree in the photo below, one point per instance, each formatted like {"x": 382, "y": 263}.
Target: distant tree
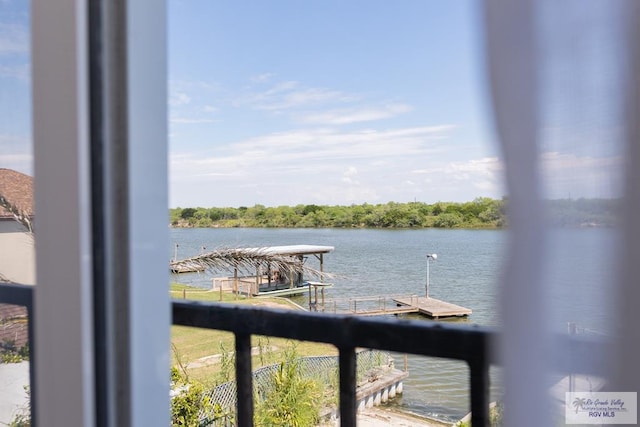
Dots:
{"x": 437, "y": 208}
{"x": 448, "y": 220}
{"x": 187, "y": 213}
{"x": 309, "y": 209}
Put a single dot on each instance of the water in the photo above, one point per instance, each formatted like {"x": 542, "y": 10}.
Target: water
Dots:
{"x": 373, "y": 262}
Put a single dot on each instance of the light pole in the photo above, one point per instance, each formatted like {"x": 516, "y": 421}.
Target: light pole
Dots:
{"x": 434, "y": 257}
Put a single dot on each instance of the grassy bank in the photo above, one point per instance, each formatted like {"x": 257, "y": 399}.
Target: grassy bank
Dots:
{"x": 205, "y": 353}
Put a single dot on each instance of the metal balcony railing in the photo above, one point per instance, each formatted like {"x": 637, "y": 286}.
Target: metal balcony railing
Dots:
{"x": 471, "y": 344}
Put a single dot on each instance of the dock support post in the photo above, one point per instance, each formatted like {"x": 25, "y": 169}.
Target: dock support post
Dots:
{"x": 235, "y": 281}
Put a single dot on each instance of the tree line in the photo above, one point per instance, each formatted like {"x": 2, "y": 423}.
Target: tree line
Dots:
{"x": 481, "y": 212}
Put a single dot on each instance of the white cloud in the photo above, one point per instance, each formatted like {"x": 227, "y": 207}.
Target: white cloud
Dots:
{"x": 191, "y": 121}
{"x": 192, "y": 86}
{"x": 328, "y": 144}
{"x": 351, "y": 171}
{"x": 262, "y": 78}
{"x": 318, "y": 149}
{"x": 322, "y": 161}
{"x": 484, "y": 175}
{"x": 16, "y": 152}
{"x": 14, "y": 39}
{"x": 556, "y": 161}
{"x": 291, "y": 94}
{"x": 20, "y": 71}
{"x": 19, "y": 162}
{"x": 344, "y": 167}
{"x": 349, "y": 174}
{"x": 563, "y": 175}
{"x": 572, "y": 175}
{"x": 355, "y": 115}
{"x": 179, "y": 98}
{"x": 486, "y": 166}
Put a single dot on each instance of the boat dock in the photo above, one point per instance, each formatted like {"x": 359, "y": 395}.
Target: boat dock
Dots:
{"x": 434, "y": 308}
{"x": 393, "y": 304}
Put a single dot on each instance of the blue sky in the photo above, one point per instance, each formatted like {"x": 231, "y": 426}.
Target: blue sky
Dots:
{"x": 338, "y": 102}
{"x": 15, "y": 103}
{"x": 328, "y": 102}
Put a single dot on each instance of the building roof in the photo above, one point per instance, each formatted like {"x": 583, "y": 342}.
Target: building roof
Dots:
{"x": 16, "y": 195}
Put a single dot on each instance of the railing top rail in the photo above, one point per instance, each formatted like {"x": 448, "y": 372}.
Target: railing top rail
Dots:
{"x": 407, "y": 336}
{"x": 16, "y": 294}
{"x": 370, "y": 298}
{"x": 435, "y": 339}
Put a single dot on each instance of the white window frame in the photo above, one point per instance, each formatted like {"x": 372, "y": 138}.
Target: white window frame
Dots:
{"x": 131, "y": 387}
{"x": 67, "y": 391}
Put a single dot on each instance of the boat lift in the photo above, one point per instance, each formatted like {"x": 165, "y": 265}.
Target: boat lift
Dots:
{"x": 276, "y": 283}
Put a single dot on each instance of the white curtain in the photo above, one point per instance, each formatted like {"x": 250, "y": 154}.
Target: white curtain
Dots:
{"x": 564, "y": 84}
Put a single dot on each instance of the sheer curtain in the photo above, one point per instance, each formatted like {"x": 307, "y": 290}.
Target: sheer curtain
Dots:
{"x": 565, "y": 96}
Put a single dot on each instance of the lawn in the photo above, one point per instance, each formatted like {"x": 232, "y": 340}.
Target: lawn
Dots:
{"x": 191, "y": 345}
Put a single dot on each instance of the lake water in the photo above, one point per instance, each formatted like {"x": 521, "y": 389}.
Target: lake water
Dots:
{"x": 467, "y": 271}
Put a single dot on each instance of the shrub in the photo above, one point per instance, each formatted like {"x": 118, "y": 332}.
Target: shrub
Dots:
{"x": 190, "y": 403}
{"x": 10, "y": 353}
{"x": 293, "y": 400}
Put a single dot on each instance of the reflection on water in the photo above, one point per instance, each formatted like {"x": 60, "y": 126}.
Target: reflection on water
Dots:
{"x": 376, "y": 262}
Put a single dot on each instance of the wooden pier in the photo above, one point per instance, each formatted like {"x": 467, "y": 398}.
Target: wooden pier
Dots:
{"x": 434, "y": 308}
{"x": 390, "y": 304}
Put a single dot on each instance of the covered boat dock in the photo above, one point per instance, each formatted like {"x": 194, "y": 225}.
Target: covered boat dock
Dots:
{"x": 270, "y": 281}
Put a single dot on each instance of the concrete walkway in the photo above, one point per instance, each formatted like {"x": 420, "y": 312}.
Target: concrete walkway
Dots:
{"x": 13, "y": 377}
{"x": 382, "y": 417}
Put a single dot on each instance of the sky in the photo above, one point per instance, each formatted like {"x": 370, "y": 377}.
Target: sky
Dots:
{"x": 328, "y": 102}
{"x": 331, "y": 102}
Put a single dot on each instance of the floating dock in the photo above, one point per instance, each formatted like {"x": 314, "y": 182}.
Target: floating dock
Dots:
{"x": 393, "y": 304}
{"x": 434, "y": 308}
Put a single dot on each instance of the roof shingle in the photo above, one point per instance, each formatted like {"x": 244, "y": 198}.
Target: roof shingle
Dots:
{"x": 16, "y": 194}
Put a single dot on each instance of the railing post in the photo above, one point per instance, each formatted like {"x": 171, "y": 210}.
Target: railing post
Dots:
{"x": 31, "y": 319}
{"x": 347, "y": 363}
{"x": 244, "y": 381}
{"x": 479, "y": 376}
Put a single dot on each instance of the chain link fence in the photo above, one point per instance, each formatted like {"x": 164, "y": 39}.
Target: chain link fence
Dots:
{"x": 371, "y": 364}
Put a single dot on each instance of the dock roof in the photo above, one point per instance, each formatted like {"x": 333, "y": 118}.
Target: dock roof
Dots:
{"x": 294, "y": 249}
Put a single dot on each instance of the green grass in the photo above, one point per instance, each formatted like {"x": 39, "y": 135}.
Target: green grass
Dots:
{"x": 190, "y": 344}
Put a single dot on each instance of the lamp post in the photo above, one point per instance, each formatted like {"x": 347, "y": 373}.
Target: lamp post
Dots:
{"x": 429, "y": 257}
